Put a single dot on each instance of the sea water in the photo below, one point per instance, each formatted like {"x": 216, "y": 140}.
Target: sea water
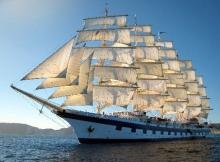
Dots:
{"x": 66, "y": 148}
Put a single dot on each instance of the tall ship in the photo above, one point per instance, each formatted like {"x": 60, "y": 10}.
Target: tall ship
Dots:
{"x": 135, "y": 81}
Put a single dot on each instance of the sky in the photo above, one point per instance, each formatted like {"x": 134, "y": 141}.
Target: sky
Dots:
{"x": 31, "y": 30}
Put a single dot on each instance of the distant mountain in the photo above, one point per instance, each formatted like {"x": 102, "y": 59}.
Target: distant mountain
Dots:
{"x": 23, "y": 129}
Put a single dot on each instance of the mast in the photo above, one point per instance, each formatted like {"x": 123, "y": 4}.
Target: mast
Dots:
{"x": 106, "y": 9}
{"x": 135, "y": 30}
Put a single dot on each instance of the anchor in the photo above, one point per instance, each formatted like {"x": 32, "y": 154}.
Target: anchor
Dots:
{"x": 90, "y": 129}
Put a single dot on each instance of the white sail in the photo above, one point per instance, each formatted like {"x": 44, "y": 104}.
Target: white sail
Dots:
{"x": 165, "y": 44}
{"x": 57, "y": 82}
{"x": 204, "y": 114}
{"x": 91, "y": 79}
{"x": 72, "y": 72}
{"x": 107, "y": 96}
{"x": 148, "y": 101}
{"x": 171, "y": 66}
{"x": 186, "y": 65}
{"x": 192, "y": 87}
{"x": 78, "y": 100}
{"x": 200, "y": 80}
{"x": 113, "y": 35}
{"x": 117, "y": 73}
{"x": 189, "y": 75}
{"x": 178, "y": 93}
{"x": 147, "y": 39}
{"x": 202, "y": 91}
{"x": 175, "y": 78}
{"x": 91, "y": 23}
{"x": 205, "y": 102}
{"x": 68, "y": 91}
{"x": 74, "y": 65}
{"x": 54, "y": 66}
{"x": 153, "y": 85}
{"x": 75, "y": 89}
{"x": 121, "y": 55}
{"x": 167, "y": 54}
{"x": 149, "y": 68}
{"x": 194, "y": 100}
{"x": 142, "y": 28}
{"x": 147, "y": 53}
{"x": 174, "y": 107}
{"x": 192, "y": 112}
{"x": 119, "y": 45}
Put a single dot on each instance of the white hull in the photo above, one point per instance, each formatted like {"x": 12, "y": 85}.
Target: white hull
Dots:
{"x": 94, "y": 131}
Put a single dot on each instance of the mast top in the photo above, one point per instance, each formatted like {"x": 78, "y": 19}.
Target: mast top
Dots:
{"x": 135, "y": 20}
{"x": 106, "y": 9}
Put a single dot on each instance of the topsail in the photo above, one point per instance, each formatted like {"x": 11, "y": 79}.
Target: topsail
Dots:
{"x": 120, "y": 35}
{"x": 119, "y": 21}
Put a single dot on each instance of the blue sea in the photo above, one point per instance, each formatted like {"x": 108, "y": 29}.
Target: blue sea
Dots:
{"x": 63, "y": 148}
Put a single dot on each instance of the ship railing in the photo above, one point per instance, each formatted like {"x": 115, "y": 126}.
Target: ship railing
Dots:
{"x": 152, "y": 122}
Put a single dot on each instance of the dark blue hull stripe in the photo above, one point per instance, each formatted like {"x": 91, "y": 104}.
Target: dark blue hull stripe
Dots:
{"x": 101, "y": 140}
{"x": 82, "y": 117}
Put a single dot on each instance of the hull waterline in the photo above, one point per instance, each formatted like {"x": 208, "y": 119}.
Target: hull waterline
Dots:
{"x": 90, "y": 128}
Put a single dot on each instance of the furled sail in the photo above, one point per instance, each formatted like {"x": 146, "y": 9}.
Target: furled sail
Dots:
{"x": 177, "y": 92}
{"x": 153, "y": 85}
{"x": 78, "y": 100}
{"x": 150, "y": 53}
{"x": 192, "y": 87}
{"x": 119, "y": 20}
{"x": 194, "y": 100}
{"x": 104, "y": 96}
{"x": 150, "y": 68}
{"x": 148, "y": 102}
{"x": 164, "y": 44}
{"x": 120, "y": 35}
{"x": 167, "y": 54}
{"x": 124, "y": 74}
{"x": 54, "y": 66}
